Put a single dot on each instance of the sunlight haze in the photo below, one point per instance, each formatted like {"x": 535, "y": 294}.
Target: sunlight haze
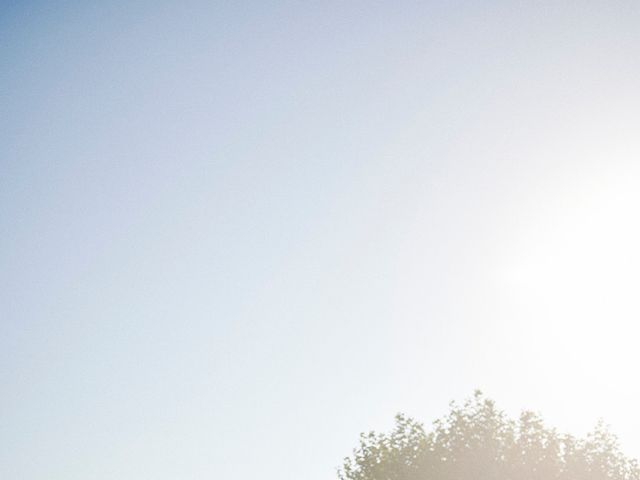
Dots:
{"x": 237, "y": 234}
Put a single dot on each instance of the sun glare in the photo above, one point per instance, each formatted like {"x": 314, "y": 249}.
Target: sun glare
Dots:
{"x": 574, "y": 273}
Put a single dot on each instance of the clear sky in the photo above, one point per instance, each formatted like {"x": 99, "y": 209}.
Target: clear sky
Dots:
{"x": 236, "y": 234}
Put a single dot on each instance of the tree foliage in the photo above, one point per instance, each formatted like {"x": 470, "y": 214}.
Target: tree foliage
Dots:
{"x": 476, "y": 441}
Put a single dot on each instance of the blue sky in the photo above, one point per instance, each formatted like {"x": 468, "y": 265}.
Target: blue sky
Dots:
{"x": 235, "y": 235}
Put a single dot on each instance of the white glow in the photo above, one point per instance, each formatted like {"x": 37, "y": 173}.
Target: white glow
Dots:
{"x": 572, "y": 276}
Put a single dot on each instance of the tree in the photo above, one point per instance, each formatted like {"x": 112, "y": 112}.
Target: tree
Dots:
{"x": 476, "y": 441}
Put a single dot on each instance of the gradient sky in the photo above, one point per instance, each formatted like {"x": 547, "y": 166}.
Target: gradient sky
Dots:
{"x": 237, "y": 234}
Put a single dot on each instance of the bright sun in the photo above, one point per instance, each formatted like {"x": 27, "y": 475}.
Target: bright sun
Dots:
{"x": 575, "y": 272}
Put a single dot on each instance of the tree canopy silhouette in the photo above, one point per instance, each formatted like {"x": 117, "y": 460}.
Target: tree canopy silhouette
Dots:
{"x": 476, "y": 441}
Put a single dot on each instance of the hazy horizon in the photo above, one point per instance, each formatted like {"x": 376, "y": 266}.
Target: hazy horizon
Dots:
{"x": 237, "y": 234}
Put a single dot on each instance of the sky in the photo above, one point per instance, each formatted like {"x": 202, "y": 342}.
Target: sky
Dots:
{"x": 234, "y": 235}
